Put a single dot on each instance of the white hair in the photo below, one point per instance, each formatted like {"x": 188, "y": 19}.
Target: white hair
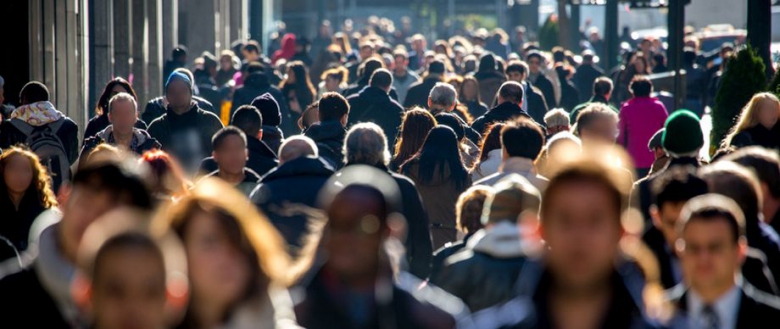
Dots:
{"x": 366, "y": 144}
{"x": 443, "y": 94}
{"x": 297, "y": 146}
{"x": 556, "y": 117}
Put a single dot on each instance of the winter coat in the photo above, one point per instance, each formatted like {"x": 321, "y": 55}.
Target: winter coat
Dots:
{"x": 570, "y": 97}
{"x": 273, "y": 137}
{"x": 546, "y": 87}
{"x": 142, "y": 141}
{"x": 37, "y": 115}
{"x": 489, "y": 166}
{"x": 489, "y": 83}
{"x": 329, "y": 304}
{"x": 246, "y": 186}
{"x": 439, "y": 197}
{"x": 584, "y": 78}
{"x": 16, "y": 223}
{"x": 441, "y": 255}
{"x": 155, "y": 109}
{"x": 484, "y": 272}
{"x": 535, "y": 104}
{"x": 287, "y": 207}
{"x": 418, "y": 92}
{"x": 476, "y": 109}
{"x": 640, "y": 192}
{"x": 261, "y": 158}
{"x": 759, "y": 136}
{"x": 640, "y": 119}
{"x": 186, "y": 136}
{"x": 503, "y": 112}
{"x": 401, "y": 84}
{"x": 516, "y": 165}
{"x": 375, "y": 105}
{"x": 329, "y": 136}
{"x": 100, "y": 122}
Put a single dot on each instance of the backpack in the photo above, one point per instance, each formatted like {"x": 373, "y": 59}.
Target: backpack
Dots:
{"x": 45, "y": 143}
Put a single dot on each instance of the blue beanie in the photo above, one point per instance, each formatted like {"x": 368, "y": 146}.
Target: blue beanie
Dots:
{"x": 178, "y": 76}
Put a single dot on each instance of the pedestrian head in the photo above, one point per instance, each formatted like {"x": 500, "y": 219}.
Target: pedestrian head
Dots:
{"x": 123, "y": 113}
{"x": 763, "y": 109}
{"x": 670, "y": 190}
{"x": 511, "y": 92}
{"x": 296, "y": 147}
{"x": 738, "y": 183}
{"x": 682, "y": 136}
{"x": 230, "y": 150}
{"x": 556, "y": 121}
{"x": 167, "y": 178}
{"x": 597, "y": 123}
{"x": 641, "y": 86}
{"x": 333, "y": 106}
{"x": 179, "y": 54}
{"x": 178, "y": 90}
{"x": 21, "y": 173}
{"x": 416, "y": 124}
{"x": 249, "y": 120}
{"x": 469, "y": 90}
{"x": 34, "y": 92}
{"x": 514, "y": 200}
{"x": 522, "y": 139}
{"x": 366, "y": 144}
{"x": 269, "y": 109}
{"x": 602, "y": 87}
{"x": 766, "y": 165}
{"x": 517, "y": 71}
{"x": 113, "y": 87}
{"x": 382, "y": 79}
{"x": 440, "y": 153}
{"x": 469, "y": 208}
{"x": 442, "y": 97}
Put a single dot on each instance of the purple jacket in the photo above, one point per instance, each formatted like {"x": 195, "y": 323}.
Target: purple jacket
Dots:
{"x": 640, "y": 119}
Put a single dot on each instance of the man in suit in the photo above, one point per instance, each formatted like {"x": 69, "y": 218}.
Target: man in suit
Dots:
{"x": 712, "y": 246}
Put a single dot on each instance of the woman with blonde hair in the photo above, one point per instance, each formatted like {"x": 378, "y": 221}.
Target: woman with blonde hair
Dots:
{"x": 757, "y": 124}
{"x": 333, "y": 80}
{"x": 237, "y": 260}
{"x": 25, "y": 192}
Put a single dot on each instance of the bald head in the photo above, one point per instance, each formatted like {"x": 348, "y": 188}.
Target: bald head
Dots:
{"x": 296, "y": 147}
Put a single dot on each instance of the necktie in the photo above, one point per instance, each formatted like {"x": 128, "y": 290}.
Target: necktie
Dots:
{"x": 710, "y": 318}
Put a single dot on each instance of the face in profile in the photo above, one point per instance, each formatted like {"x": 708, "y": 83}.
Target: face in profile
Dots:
{"x": 128, "y": 290}
{"x": 582, "y": 229}
{"x": 219, "y": 269}
{"x": 354, "y": 234}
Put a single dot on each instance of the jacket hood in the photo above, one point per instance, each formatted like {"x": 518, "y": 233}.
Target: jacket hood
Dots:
{"x": 330, "y": 130}
{"x": 257, "y": 80}
{"x": 487, "y": 63}
{"x": 502, "y": 240}
{"x": 272, "y": 133}
{"x": 303, "y": 166}
{"x": 259, "y": 147}
{"x": 37, "y": 114}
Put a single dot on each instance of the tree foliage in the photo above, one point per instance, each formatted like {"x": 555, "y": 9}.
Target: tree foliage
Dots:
{"x": 548, "y": 33}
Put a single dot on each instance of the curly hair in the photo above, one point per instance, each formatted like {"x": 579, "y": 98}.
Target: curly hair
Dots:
{"x": 41, "y": 182}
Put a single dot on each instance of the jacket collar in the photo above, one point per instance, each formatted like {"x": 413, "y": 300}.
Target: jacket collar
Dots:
{"x": 259, "y": 147}
{"x": 518, "y": 165}
{"x": 502, "y": 240}
{"x": 303, "y": 166}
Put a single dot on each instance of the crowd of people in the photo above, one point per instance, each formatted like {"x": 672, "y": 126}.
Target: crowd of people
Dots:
{"x": 365, "y": 180}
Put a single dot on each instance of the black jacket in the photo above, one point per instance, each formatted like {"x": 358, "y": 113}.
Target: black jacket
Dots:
{"x": 757, "y": 310}
{"x": 583, "y": 80}
{"x": 375, "y": 105}
{"x": 255, "y": 85}
{"x": 537, "y": 106}
{"x": 501, "y": 113}
{"x": 154, "y": 108}
{"x": 546, "y": 87}
{"x": 476, "y": 109}
{"x": 273, "y": 137}
{"x": 27, "y": 304}
{"x": 16, "y": 223}
{"x": 100, "y": 122}
{"x": 327, "y": 305}
{"x": 484, "y": 273}
{"x": 187, "y": 136}
{"x": 68, "y": 134}
{"x": 419, "y": 91}
{"x": 293, "y": 184}
{"x": 145, "y": 142}
{"x": 246, "y": 186}
{"x": 440, "y": 255}
{"x": 489, "y": 83}
{"x": 640, "y": 193}
{"x": 361, "y": 85}
{"x": 569, "y": 95}
{"x": 261, "y": 158}
{"x": 329, "y": 136}
{"x": 758, "y": 136}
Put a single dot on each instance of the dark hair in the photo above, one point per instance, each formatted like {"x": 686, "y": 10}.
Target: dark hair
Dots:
{"x": 302, "y": 124}
{"x": 712, "y": 214}
{"x": 220, "y": 135}
{"x": 738, "y": 183}
{"x": 511, "y": 91}
{"x": 179, "y": 51}
{"x": 490, "y": 141}
{"x": 248, "y": 119}
{"x": 123, "y": 241}
{"x": 450, "y": 120}
{"x": 414, "y": 128}
{"x": 304, "y": 90}
{"x": 714, "y": 207}
{"x": 33, "y": 92}
{"x": 102, "y": 105}
{"x": 517, "y": 66}
{"x": 255, "y": 67}
{"x": 602, "y": 86}
{"x": 251, "y": 46}
{"x": 689, "y": 56}
{"x": 765, "y": 163}
{"x": 534, "y": 54}
{"x": 123, "y": 182}
{"x": 522, "y": 138}
{"x": 333, "y": 107}
{"x": 369, "y": 66}
{"x": 676, "y": 184}
{"x": 641, "y": 86}
{"x": 381, "y": 78}
{"x": 439, "y": 153}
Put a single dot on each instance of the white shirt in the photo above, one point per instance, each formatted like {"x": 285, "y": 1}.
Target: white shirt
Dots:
{"x": 726, "y": 307}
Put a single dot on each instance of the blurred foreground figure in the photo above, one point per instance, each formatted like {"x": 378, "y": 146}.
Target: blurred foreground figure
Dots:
{"x": 42, "y": 287}
{"x": 354, "y": 287}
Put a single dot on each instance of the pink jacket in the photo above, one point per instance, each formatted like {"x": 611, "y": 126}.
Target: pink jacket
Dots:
{"x": 640, "y": 119}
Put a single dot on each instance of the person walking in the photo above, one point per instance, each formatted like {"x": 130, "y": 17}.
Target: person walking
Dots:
{"x": 640, "y": 118}
{"x": 122, "y": 131}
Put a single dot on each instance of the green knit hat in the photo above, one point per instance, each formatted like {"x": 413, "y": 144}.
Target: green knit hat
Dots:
{"x": 682, "y": 134}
